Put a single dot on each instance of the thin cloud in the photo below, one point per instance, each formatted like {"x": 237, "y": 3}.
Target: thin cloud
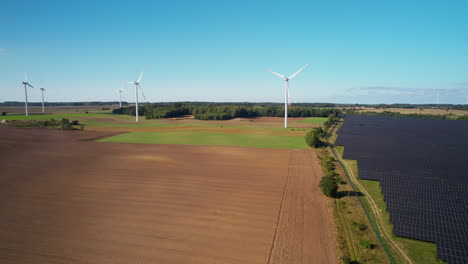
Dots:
{"x": 2, "y": 51}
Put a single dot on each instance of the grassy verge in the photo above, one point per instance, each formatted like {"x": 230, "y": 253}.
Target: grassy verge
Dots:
{"x": 417, "y": 251}
{"x": 357, "y": 239}
{"x": 208, "y": 138}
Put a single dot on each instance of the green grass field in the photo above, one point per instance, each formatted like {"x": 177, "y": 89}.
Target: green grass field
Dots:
{"x": 314, "y": 120}
{"x": 208, "y": 138}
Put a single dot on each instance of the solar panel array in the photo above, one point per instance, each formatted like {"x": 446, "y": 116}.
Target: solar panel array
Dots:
{"x": 422, "y": 166}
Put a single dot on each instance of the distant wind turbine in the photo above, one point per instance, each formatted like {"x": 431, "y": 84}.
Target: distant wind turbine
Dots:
{"x": 26, "y": 84}
{"x": 137, "y": 87}
{"x": 287, "y": 99}
{"x": 42, "y": 91}
{"x": 120, "y": 95}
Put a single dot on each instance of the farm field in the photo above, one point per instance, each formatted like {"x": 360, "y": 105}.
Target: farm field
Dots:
{"x": 208, "y": 138}
{"x": 313, "y": 120}
{"x": 263, "y": 128}
{"x": 427, "y": 111}
{"x": 67, "y": 198}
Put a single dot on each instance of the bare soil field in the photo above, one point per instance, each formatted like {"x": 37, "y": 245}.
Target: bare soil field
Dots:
{"x": 67, "y": 199}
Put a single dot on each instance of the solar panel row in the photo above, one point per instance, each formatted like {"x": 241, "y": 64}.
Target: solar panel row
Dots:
{"x": 422, "y": 166}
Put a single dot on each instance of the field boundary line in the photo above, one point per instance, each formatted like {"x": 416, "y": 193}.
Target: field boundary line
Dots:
{"x": 374, "y": 208}
{"x": 278, "y": 219}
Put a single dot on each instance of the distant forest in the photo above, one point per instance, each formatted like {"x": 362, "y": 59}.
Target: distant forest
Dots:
{"x": 225, "y": 111}
{"x": 413, "y": 115}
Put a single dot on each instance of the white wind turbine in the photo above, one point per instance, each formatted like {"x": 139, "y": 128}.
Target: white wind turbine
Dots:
{"x": 26, "y": 84}
{"x": 137, "y": 86}
{"x": 287, "y": 99}
{"x": 120, "y": 95}
{"x": 42, "y": 90}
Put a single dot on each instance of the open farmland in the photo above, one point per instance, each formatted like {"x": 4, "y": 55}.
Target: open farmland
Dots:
{"x": 430, "y": 111}
{"x": 68, "y": 199}
{"x": 207, "y": 138}
{"x": 422, "y": 169}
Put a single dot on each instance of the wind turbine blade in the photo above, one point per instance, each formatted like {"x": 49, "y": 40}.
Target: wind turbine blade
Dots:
{"x": 142, "y": 93}
{"x": 29, "y": 85}
{"x": 275, "y": 73}
{"x": 141, "y": 75}
{"x": 294, "y": 75}
{"x": 131, "y": 82}
{"x": 25, "y": 77}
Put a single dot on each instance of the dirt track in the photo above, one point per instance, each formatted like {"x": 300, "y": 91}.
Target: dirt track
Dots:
{"x": 67, "y": 200}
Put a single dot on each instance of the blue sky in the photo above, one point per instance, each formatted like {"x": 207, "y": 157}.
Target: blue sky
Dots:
{"x": 358, "y": 51}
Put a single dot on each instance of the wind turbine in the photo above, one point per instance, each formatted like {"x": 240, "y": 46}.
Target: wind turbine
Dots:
{"x": 42, "y": 90}
{"x": 287, "y": 99}
{"x": 26, "y": 84}
{"x": 137, "y": 86}
{"x": 120, "y": 95}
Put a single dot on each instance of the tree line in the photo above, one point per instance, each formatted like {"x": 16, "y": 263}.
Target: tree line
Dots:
{"x": 218, "y": 111}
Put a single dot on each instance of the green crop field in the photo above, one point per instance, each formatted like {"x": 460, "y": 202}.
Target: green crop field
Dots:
{"x": 313, "y": 120}
{"x": 208, "y": 138}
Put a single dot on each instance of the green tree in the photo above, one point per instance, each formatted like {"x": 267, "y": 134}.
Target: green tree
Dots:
{"x": 313, "y": 137}
{"x": 328, "y": 186}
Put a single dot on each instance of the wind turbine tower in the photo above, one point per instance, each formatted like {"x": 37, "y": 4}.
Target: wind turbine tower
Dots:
{"x": 120, "y": 98}
{"x": 287, "y": 99}
{"x": 42, "y": 90}
{"x": 137, "y": 87}
{"x": 26, "y": 84}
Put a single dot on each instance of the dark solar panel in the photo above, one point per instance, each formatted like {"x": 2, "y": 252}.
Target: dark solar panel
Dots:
{"x": 422, "y": 166}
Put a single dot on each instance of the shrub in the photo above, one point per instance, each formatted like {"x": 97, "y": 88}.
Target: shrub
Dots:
{"x": 328, "y": 186}
{"x": 105, "y": 108}
{"x": 347, "y": 260}
{"x": 365, "y": 243}
{"x": 313, "y": 139}
{"x": 3, "y": 113}
{"x": 360, "y": 226}
{"x": 329, "y": 166}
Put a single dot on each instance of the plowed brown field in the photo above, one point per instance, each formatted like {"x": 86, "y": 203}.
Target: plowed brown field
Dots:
{"x": 67, "y": 199}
